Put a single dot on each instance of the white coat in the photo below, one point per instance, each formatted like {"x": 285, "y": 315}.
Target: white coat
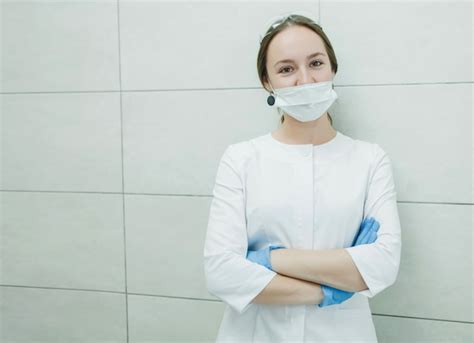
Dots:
{"x": 302, "y": 196}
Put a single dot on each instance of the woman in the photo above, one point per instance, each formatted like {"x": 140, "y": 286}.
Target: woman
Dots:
{"x": 303, "y": 226}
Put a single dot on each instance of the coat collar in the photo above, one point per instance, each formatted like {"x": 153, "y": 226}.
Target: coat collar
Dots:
{"x": 323, "y": 152}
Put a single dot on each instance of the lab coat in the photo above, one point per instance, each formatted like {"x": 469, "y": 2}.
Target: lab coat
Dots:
{"x": 302, "y": 196}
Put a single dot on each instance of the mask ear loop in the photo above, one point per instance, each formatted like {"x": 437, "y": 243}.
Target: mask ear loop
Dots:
{"x": 271, "y": 98}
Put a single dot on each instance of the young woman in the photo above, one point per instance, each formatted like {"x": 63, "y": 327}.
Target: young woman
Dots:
{"x": 303, "y": 226}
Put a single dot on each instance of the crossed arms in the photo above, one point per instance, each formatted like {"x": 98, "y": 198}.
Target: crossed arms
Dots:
{"x": 300, "y": 273}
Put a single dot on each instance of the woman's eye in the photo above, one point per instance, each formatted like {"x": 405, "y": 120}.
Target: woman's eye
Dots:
{"x": 317, "y": 65}
{"x": 282, "y": 69}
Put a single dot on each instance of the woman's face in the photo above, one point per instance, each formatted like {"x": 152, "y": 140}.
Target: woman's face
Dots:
{"x": 297, "y": 56}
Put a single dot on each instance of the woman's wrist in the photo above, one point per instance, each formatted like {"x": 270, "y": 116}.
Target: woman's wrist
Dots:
{"x": 275, "y": 258}
{"x": 320, "y": 294}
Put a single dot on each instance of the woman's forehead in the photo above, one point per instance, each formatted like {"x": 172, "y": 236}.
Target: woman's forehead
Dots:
{"x": 295, "y": 42}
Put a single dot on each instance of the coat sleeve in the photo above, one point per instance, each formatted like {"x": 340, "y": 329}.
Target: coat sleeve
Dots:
{"x": 229, "y": 275}
{"x": 379, "y": 262}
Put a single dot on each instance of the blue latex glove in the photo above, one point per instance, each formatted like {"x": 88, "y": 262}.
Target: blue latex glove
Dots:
{"x": 367, "y": 234}
{"x": 262, "y": 256}
{"x": 333, "y": 296}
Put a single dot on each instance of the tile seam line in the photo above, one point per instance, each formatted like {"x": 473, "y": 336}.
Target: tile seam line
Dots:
{"x": 123, "y": 176}
{"x": 231, "y": 88}
{"x": 211, "y": 300}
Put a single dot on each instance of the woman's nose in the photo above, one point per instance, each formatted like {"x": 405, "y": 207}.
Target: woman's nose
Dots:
{"x": 305, "y": 77}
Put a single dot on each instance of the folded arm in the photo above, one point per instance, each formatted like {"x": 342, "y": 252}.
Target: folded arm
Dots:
{"x": 333, "y": 267}
{"x": 289, "y": 291}
{"x": 366, "y": 268}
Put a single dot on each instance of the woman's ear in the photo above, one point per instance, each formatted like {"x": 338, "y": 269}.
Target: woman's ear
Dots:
{"x": 266, "y": 85}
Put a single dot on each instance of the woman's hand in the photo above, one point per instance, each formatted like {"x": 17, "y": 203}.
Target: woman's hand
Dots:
{"x": 333, "y": 296}
{"x": 367, "y": 234}
{"x": 262, "y": 256}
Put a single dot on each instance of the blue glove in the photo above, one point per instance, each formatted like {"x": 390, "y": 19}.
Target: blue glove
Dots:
{"x": 367, "y": 234}
{"x": 333, "y": 296}
{"x": 262, "y": 256}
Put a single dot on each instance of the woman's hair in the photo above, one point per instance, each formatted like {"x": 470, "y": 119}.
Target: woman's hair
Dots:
{"x": 291, "y": 20}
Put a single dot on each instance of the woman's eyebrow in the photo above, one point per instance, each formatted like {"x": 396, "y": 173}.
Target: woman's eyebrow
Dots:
{"x": 310, "y": 56}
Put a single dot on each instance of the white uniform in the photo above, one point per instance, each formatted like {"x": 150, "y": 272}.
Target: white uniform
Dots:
{"x": 302, "y": 196}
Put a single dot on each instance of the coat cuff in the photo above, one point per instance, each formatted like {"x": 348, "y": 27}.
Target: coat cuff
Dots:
{"x": 235, "y": 280}
{"x": 250, "y": 290}
{"x": 376, "y": 266}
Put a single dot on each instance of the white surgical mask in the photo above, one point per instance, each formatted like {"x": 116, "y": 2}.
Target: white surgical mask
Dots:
{"x": 306, "y": 102}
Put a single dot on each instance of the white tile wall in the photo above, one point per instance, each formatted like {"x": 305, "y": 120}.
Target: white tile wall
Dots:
{"x": 400, "y": 41}
{"x": 33, "y": 314}
{"x": 173, "y": 319}
{"x": 426, "y": 130}
{"x": 65, "y": 240}
{"x": 114, "y": 115}
{"x": 397, "y": 330}
{"x": 61, "y": 142}
{"x": 59, "y": 46}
